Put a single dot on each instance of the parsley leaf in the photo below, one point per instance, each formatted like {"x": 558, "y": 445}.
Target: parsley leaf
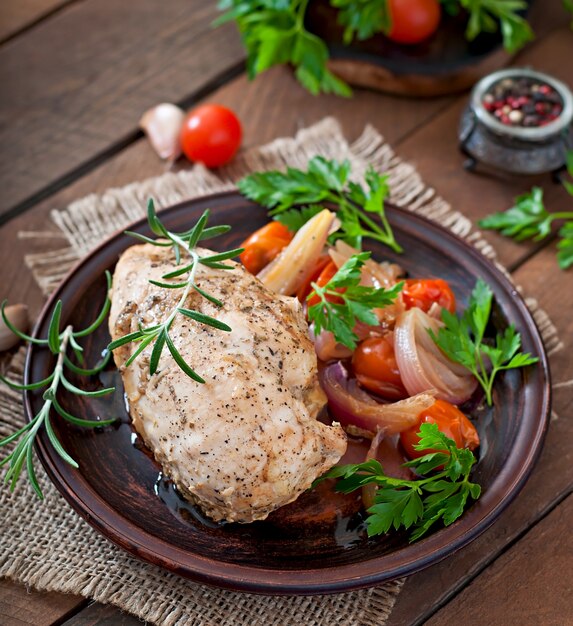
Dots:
{"x": 363, "y": 18}
{"x": 462, "y": 340}
{"x": 528, "y": 219}
{"x": 326, "y": 181}
{"x": 419, "y": 503}
{"x": 489, "y": 15}
{"x": 344, "y": 302}
{"x": 295, "y": 219}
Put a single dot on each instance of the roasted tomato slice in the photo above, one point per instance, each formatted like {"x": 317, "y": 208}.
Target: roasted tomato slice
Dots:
{"x": 375, "y": 368}
{"x": 450, "y": 420}
{"x": 264, "y": 245}
{"x": 424, "y": 292}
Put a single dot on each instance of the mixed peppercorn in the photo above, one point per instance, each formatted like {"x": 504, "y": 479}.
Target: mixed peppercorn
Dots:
{"x": 523, "y": 102}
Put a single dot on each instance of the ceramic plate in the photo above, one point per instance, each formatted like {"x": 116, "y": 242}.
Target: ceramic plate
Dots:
{"x": 318, "y": 544}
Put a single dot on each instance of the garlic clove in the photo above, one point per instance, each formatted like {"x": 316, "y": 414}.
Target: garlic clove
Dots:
{"x": 162, "y": 125}
{"x": 17, "y": 315}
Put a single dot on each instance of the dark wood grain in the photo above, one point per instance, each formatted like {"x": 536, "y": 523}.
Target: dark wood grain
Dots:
{"x": 16, "y": 15}
{"x": 101, "y": 615}
{"x": 530, "y": 581}
{"x": 18, "y": 608}
{"x": 77, "y": 84}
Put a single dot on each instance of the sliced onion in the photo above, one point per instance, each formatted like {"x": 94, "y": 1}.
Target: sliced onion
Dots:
{"x": 352, "y": 406}
{"x": 373, "y": 274}
{"x": 326, "y": 347}
{"x": 423, "y": 366}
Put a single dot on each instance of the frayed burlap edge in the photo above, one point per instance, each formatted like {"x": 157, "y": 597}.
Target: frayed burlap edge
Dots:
{"x": 51, "y": 548}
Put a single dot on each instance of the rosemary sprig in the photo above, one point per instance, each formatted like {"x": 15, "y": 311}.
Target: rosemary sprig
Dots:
{"x": 58, "y": 342}
{"x": 182, "y": 244}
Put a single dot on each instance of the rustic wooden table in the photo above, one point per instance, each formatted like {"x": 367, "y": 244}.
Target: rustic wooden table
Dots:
{"x": 76, "y": 75}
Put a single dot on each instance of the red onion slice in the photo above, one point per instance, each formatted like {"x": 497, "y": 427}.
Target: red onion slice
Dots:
{"x": 423, "y": 366}
{"x": 353, "y": 407}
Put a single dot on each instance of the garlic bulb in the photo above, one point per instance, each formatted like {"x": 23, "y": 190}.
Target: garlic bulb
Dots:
{"x": 162, "y": 125}
{"x": 17, "y": 315}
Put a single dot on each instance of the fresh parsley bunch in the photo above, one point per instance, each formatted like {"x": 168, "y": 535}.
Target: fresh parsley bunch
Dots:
{"x": 419, "y": 503}
{"x": 273, "y": 33}
{"x": 462, "y": 340}
{"x": 528, "y": 219}
{"x": 343, "y": 302}
{"x": 325, "y": 181}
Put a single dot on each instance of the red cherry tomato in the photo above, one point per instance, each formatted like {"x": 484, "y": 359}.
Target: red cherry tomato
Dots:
{"x": 264, "y": 245}
{"x": 305, "y": 289}
{"x": 211, "y": 134}
{"x": 450, "y": 420}
{"x": 375, "y": 368}
{"x": 413, "y": 21}
{"x": 327, "y": 273}
{"x": 423, "y": 292}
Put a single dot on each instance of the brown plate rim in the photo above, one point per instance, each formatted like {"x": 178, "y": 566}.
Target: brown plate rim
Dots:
{"x": 420, "y": 555}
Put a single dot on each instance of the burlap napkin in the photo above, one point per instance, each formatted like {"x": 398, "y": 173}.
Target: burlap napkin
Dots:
{"x": 51, "y": 548}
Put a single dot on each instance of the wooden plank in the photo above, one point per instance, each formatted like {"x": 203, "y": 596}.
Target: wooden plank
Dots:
{"x": 77, "y": 84}
{"x": 19, "y": 607}
{"x": 101, "y": 615}
{"x": 529, "y": 584}
{"x": 16, "y": 15}
{"x": 550, "y": 480}
{"x": 434, "y": 151}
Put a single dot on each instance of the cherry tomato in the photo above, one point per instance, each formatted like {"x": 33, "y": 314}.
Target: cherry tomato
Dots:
{"x": 413, "y": 21}
{"x": 327, "y": 273}
{"x": 423, "y": 292}
{"x": 264, "y": 245}
{"x": 450, "y": 420}
{"x": 211, "y": 134}
{"x": 305, "y": 289}
{"x": 375, "y": 368}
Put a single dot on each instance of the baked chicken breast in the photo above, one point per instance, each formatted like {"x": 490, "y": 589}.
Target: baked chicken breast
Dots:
{"x": 247, "y": 441}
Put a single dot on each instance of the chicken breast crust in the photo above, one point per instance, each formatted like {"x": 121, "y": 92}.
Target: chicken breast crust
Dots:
{"x": 247, "y": 441}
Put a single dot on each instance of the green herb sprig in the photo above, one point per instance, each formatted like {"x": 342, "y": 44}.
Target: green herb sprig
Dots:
{"x": 462, "y": 340}
{"x": 325, "y": 181}
{"x": 343, "y": 302}
{"x": 490, "y": 15}
{"x": 59, "y": 343}
{"x": 274, "y": 32}
{"x": 528, "y": 219}
{"x": 419, "y": 503}
{"x": 182, "y": 244}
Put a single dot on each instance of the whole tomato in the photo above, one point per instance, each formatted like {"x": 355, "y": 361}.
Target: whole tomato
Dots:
{"x": 375, "y": 368}
{"x": 423, "y": 292}
{"x": 211, "y": 134}
{"x": 450, "y": 420}
{"x": 413, "y": 21}
{"x": 264, "y": 245}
